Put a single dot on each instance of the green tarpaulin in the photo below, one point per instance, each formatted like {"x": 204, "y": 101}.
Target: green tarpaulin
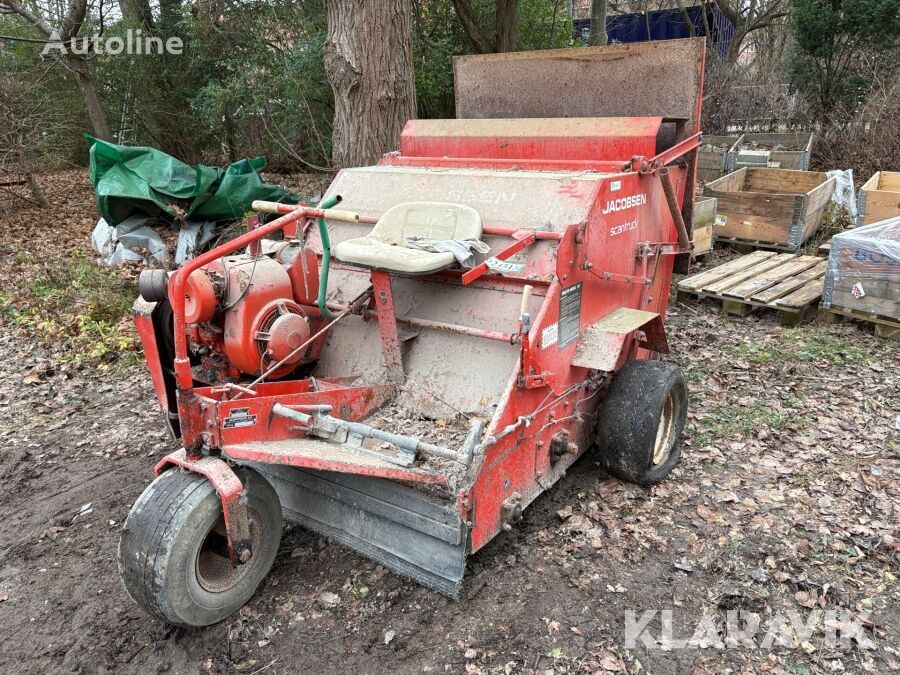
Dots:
{"x": 133, "y": 180}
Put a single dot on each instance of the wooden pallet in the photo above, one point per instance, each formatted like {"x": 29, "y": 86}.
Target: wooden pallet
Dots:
{"x": 884, "y": 327}
{"x": 748, "y": 245}
{"x": 789, "y": 284}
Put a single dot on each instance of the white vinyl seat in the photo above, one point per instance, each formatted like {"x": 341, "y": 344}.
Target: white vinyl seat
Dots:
{"x": 384, "y": 247}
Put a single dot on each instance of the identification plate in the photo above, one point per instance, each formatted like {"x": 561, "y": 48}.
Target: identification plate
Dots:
{"x": 239, "y": 417}
{"x": 504, "y": 265}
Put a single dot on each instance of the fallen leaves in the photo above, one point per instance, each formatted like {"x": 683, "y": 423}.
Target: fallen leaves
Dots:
{"x": 33, "y": 377}
{"x": 710, "y": 516}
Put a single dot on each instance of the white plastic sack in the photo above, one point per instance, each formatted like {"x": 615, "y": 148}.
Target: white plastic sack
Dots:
{"x": 844, "y": 195}
{"x": 102, "y": 239}
{"x": 191, "y": 239}
{"x": 116, "y": 244}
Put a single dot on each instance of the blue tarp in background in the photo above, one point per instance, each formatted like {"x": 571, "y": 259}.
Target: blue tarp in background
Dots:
{"x": 665, "y": 24}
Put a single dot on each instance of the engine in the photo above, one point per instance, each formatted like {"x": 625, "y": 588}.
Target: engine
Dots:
{"x": 247, "y": 313}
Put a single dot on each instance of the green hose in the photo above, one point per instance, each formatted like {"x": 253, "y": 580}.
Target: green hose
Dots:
{"x": 326, "y": 258}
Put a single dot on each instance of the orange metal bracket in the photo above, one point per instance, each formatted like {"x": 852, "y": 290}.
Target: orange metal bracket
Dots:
{"x": 230, "y": 490}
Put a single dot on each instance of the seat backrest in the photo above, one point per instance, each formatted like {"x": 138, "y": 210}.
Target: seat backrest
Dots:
{"x": 428, "y": 220}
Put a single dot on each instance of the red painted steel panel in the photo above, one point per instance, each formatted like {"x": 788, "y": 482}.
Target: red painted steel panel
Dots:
{"x": 578, "y": 138}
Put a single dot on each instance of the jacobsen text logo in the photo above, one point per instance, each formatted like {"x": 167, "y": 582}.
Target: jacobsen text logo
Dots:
{"x": 623, "y": 203}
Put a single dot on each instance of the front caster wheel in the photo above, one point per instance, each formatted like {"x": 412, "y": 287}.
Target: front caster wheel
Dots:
{"x": 641, "y": 420}
{"x": 173, "y": 555}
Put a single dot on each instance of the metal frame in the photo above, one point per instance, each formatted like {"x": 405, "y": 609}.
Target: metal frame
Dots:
{"x": 543, "y": 420}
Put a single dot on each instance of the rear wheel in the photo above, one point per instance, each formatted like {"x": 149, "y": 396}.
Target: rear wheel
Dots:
{"x": 641, "y": 421}
{"x": 173, "y": 555}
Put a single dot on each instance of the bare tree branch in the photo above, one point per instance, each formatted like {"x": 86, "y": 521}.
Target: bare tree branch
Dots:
{"x": 32, "y": 18}
{"x": 470, "y": 25}
{"x": 73, "y": 20}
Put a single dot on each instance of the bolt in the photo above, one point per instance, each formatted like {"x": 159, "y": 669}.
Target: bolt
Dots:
{"x": 245, "y": 555}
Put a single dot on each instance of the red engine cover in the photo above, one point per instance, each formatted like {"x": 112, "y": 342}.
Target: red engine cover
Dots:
{"x": 259, "y": 323}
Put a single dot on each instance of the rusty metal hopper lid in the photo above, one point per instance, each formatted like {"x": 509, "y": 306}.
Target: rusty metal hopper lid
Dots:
{"x": 663, "y": 78}
{"x": 541, "y": 200}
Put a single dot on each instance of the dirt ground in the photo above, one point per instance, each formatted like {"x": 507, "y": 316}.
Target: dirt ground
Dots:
{"x": 785, "y": 502}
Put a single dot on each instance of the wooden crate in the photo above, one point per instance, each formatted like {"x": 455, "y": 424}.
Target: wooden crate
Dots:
{"x": 716, "y": 158}
{"x": 790, "y": 284}
{"x": 770, "y": 208}
{"x": 879, "y": 198}
{"x": 864, "y": 272}
{"x": 703, "y": 236}
{"x": 789, "y": 150}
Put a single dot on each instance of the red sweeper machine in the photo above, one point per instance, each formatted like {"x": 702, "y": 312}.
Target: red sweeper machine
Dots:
{"x": 407, "y": 365}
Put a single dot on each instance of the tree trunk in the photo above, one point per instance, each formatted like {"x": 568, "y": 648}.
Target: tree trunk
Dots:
{"x": 469, "y": 23}
{"x": 88, "y": 87}
{"x": 368, "y": 59}
{"x": 504, "y": 37}
{"x": 71, "y": 25}
{"x": 36, "y": 192}
{"x": 692, "y": 31}
{"x": 505, "y": 22}
{"x": 137, "y": 12}
{"x": 733, "y": 53}
{"x": 598, "y": 37}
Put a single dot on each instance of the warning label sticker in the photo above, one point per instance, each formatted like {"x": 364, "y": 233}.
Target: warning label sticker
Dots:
{"x": 550, "y": 335}
{"x": 239, "y": 417}
{"x": 569, "y": 315}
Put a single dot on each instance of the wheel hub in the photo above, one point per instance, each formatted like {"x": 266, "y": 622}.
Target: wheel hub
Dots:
{"x": 214, "y": 570}
{"x": 664, "y": 432}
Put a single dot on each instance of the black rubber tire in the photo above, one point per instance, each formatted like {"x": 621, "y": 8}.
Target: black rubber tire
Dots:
{"x": 163, "y": 534}
{"x": 631, "y": 416}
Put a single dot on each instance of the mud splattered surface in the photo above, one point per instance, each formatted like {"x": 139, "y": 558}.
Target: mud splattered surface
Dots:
{"x": 785, "y": 503}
